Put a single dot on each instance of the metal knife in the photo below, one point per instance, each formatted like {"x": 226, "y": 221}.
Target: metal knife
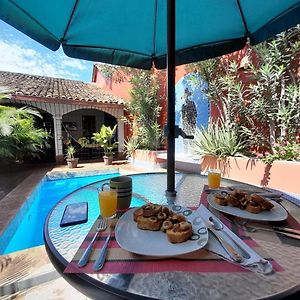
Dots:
{"x": 218, "y": 225}
{"x": 99, "y": 263}
{"x": 292, "y": 233}
{"x": 285, "y": 229}
{"x": 226, "y": 246}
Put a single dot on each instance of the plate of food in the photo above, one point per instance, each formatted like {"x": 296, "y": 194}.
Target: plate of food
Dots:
{"x": 247, "y": 205}
{"x": 157, "y": 230}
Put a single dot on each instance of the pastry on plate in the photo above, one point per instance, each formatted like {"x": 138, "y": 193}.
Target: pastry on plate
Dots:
{"x": 167, "y": 224}
{"x": 265, "y": 204}
{"x": 156, "y": 217}
{"x": 151, "y": 210}
{"x": 232, "y": 200}
{"x": 151, "y": 223}
{"x": 220, "y": 199}
{"x": 252, "y": 203}
{"x": 137, "y": 213}
{"x": 180, "y": 232}
{"x": 253, "y": 207}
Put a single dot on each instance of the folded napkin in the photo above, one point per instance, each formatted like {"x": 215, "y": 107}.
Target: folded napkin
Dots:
{"x": 255, "y": 263}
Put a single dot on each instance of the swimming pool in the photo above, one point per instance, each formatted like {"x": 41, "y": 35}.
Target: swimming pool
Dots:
{"x": 26, "y": 229}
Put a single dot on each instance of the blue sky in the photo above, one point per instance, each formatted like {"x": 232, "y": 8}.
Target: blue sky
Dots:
{"x": 19, "y": 53}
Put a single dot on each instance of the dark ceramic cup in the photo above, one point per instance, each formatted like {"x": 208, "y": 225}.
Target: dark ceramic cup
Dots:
{"x": 123, "y": 186}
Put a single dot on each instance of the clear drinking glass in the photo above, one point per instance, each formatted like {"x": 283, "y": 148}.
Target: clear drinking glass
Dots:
{"x": 108, "y": 200}
{"x": 214, "y": 178}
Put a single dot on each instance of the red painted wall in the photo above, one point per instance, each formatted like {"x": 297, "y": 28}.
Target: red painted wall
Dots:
{"x": 122, "y": 89}
{"x": 118, "y": 89}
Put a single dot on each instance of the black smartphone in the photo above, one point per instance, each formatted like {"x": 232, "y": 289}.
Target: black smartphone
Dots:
{"x": 75, "y": 213}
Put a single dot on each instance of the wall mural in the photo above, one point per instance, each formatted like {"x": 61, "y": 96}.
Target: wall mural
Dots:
{"x": 191, "y": 109}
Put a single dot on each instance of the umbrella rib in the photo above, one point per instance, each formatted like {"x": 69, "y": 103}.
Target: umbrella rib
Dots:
{"x": 69, "y": 22}
{"x": 243, "y": 18}
{"x": 27, "y": 14}
{"x": 276, "y": 17}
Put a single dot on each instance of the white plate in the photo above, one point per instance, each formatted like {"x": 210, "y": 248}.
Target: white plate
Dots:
{"x": 277, "y": 213}
{"x": 155, "y": 243}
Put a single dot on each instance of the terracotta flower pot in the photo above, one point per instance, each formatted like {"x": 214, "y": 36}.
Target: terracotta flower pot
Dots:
{"x": 107, "y": 160}
{"x": 148, "y": 159}
{"x": 72, "y": 162}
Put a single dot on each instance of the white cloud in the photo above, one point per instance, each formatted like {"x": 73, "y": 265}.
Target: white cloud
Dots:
{"x": 73, "y": 63}
{"x": 16, "y": 57}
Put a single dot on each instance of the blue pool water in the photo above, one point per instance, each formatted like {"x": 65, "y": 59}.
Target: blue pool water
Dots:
{"x": 29, "y": 221}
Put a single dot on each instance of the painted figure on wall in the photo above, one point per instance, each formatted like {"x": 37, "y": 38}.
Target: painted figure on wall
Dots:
{"x": 189, "y": 117}
{"x": 191, "y": 109}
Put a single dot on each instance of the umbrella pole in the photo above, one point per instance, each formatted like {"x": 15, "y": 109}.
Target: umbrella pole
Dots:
{"x": 170, "y": 192}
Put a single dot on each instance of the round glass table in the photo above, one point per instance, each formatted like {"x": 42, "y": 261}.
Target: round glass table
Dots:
{"x": 63, "y": 242}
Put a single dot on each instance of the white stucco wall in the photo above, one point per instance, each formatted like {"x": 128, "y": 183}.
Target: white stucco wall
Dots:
{"x": 59, "y": 111}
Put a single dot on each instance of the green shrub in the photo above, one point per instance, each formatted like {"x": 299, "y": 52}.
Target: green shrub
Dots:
{"x": 130, "y": 146}
{"x": 70, "y": 152}
{"x": 261, "y": 92}
{"x": 144, "y": 110}
{"x": 283, "y": 151}
{"x": 19, "y": 138}
{"x": 219, "y": 140}
{"x": 105, "y": 139}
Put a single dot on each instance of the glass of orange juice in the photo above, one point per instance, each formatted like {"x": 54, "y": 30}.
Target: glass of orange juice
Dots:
{"x": 107, "y": 201}
{"x": 214, "y": 178}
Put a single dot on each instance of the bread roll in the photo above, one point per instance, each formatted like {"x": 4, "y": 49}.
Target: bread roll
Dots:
{"x": 232, "y": 200}
{"x": 253, "y": 208}
{"x": 219, "y": 199}
{"x": 162, "y": 216}
{"x": 151, "y": 223}
{"x": 177, "y": 218}
{"x": 156, "y": 217}
{"x": 166, "y": 225}
{"x": 150, "y": 210}
{"x": 138, "y": 212}
{"x": 180, "y": 232}
{"x": 265, "y": 204}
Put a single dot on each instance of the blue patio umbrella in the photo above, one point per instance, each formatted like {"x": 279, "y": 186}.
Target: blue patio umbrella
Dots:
{"x": 147, "y": 33}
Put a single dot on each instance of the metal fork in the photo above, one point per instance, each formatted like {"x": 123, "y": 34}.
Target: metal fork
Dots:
{"x": 99, "y": 262}
{"x": 86, "y": 254}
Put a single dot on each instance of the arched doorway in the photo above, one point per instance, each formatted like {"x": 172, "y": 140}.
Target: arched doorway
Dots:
{"x": 83, "y": 123}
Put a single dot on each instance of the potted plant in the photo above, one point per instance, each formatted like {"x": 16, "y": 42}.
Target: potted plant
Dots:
{"x": 130, "y": 147}
{"x": 71, "y": 160}
{"x": 105, "y": 139}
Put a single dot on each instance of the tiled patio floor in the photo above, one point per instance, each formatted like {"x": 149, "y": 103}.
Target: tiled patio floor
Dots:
{"x": 29, "y": 274}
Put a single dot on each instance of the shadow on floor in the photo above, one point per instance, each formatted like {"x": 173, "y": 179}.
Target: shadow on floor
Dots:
{"x": 12, "y": 174}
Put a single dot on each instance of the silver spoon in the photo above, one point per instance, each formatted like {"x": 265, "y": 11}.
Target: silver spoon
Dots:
{"x": 219, "y": 226}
